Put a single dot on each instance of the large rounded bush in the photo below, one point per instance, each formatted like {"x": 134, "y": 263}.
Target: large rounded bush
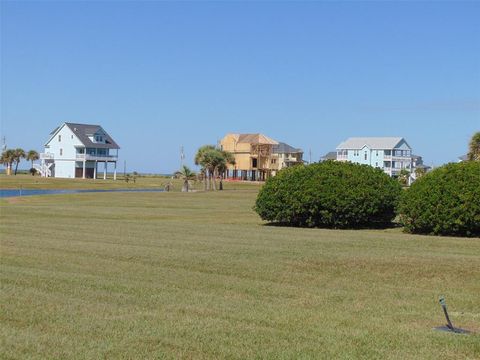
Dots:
{"x": 329, "y": 194}
{"x": 445, "y": 201}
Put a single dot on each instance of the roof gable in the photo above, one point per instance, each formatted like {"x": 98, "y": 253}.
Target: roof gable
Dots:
{"x": 54, "y": 133}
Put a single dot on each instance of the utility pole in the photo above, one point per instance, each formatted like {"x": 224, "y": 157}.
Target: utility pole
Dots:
{"x": 182, "y": 157}
{"x": 4, "y": 146}
{"x": 124, "y": 168}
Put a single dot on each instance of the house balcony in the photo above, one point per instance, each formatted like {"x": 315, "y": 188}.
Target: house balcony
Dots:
{"x": 292, "y": 160}
{"x": 397, "y": 158}
{"x": 46, "y": 156}
{"x": 98, "y": 157}
{"x": 342, "y": 157}
{"x": 392, "y": 171}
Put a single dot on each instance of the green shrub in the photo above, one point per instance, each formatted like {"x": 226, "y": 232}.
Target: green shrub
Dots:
{"x": 445, "y": 201}
{"x": 329, "y": 194}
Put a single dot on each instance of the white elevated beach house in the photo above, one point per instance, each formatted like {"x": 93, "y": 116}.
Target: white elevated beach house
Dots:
{"x": 75, "y": 150}
{"x": 391, "y": 154}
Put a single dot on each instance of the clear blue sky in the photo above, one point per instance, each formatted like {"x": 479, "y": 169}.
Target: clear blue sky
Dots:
{"x": 158, "y": 75}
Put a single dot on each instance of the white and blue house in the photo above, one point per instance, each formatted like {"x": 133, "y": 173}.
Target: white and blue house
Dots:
{"x": 76, "y": 150}
{"x": 391, "y": 154}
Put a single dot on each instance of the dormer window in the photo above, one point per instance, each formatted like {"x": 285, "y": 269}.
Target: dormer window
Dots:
{"x": 98, "y": 138}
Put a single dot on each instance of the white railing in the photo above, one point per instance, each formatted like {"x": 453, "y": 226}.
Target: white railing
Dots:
{"x": 46, "y": 156}
{"x": 399, "y": 157}
{"x": 342, "y": 157}
{"x": 96, "y": 157}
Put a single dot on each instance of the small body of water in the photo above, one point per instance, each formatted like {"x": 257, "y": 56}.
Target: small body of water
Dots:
{"x": 27, "y": 192}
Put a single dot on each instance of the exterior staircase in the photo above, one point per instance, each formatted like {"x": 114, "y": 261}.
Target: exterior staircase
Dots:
{"x": 44, "y": 169}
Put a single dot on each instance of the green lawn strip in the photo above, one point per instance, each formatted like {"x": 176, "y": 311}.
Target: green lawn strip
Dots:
{"x": 141, "y": 182}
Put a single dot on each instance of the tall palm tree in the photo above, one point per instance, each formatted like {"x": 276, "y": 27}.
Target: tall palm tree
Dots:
{"x": 7, "y": 159}
{"x": 213, "y": 162}
{"x": 204, "y": 158}
{"x": 474, "y": 147}
{"x": 19, "y": 155}
{"x": 185, "y": 174}
{"x": 229, "y": 159}
{"x": 226, "y": 158}
{"x": 32, "y": 156}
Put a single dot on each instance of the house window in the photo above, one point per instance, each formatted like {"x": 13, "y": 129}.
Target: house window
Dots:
{"x": 254, "y": 163}
{"x": 365, "y": 155}
{"x": 376, "y": 153}
{"x": 98, "y": 138}
{"x": 61, "y": 152}
{"x": 376, "y": 164}
{"x": 274, "y": 161}
{"x": 59, "y": 138}
{"x": 71, "y": 136}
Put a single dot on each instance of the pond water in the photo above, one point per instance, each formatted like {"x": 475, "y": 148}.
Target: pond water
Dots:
{"x": 27, "y": 192}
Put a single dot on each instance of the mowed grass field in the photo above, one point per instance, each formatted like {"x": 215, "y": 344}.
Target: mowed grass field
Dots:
{"x": 199, "y": 276}
{"x": 141, "y": 182}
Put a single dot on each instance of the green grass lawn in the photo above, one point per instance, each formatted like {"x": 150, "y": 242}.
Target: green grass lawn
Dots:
{"x": 158, "y": 182}
{"x": 198, "y": 275}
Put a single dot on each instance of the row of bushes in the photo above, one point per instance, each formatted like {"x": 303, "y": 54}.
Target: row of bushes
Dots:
{"x": 344, "y": 195}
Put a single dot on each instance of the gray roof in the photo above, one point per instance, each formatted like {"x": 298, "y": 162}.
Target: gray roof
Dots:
{"x": 332, "y": 155}
{"x": 83, "y": 131}
{"x": 463, "y": 158}
{"x": 283, "y": 148}
{"x": 371, "y": 142}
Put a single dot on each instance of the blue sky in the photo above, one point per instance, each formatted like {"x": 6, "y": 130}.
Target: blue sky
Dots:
{"x": 159, "y": 75}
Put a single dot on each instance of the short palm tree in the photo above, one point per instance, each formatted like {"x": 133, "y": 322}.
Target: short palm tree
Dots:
{"x": 186, "y": 175}
{"x": 32, "y": 156}
{"x": 419, "y": 172}
{"x": 474, "y": 147}
{"x": 403, "y": 177}
{"x": 7, "y": 159}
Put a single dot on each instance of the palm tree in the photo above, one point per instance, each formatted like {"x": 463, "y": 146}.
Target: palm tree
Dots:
{"x": 19, "y": 154}
{"x": 203, "y": 158}
{"x": 213, "y": 162}
{"x": 7, "y": 159}
{"x": 403, "y": 177}
{"x": 419, "y": 172}
{"x": 474, "y": 147}
{"x": 185, "y": 174}
{"x": 32, "y": 156}
{"x": 227, "y": 158}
